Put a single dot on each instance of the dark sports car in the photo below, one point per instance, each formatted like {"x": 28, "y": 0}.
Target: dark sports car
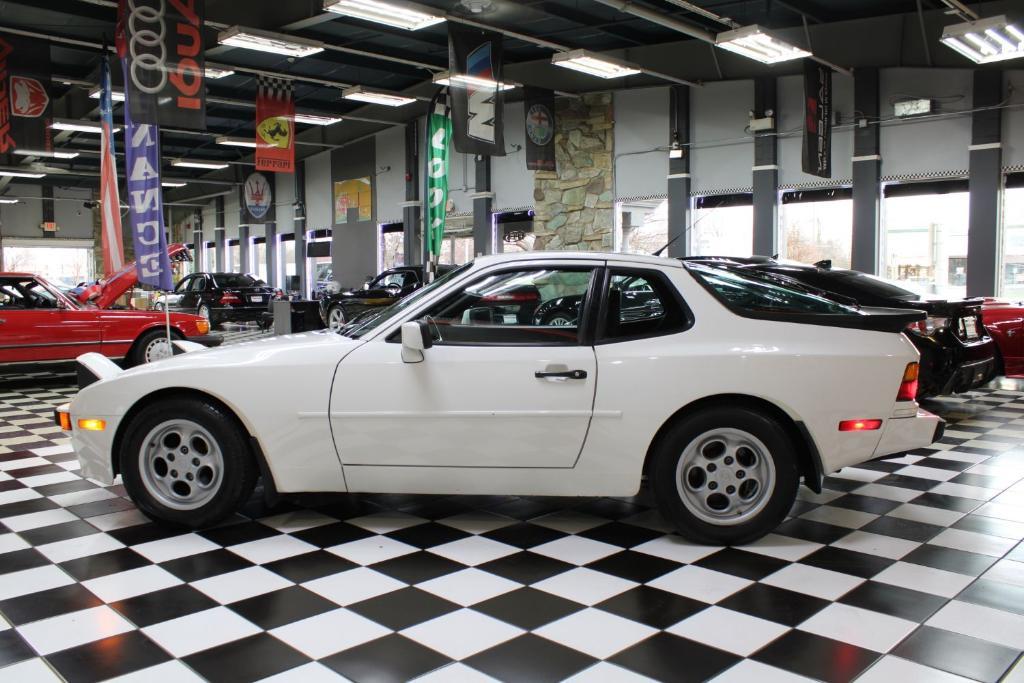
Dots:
{"x": 337, "y": 310}
{"x": 957, "y": 353}
{"x": 221, "y": 297}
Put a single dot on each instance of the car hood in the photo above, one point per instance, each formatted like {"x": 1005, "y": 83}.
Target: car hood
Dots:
{"x": 120, "y": 282}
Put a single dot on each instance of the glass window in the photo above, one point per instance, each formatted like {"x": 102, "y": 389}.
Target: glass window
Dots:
{"x": 925, "y": 242}
{"x": 640, "y": 304}
{"x": 228, "y": 280}
{"x": 399, "y": 279}
{"x": 1013, "y": 243}
{"x": 754, "y": 294}
{"x": 21, "y": 293}
{"x": 211, "y": 257}
{"x": 524, "y": 242}
{"x": 641, "y": 227}
{"x": 288, "y": 263}
{"x": 722, "y": 226}
{"x": 234, "y": 258}
{"x": 392, "y": 249}
{"x": 260, "y": 255}
{"x": 375, "y": 320}
{"x": 197, "y": 284}
{"x": 64, "y": 266}
{"x": 537, "y": 306}
{"x": 813, "y": 231}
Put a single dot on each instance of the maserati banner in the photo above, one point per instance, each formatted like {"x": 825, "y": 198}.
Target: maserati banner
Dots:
{"x": 162, "y": 43}
{"x": 439, "y": 134}
{"x": 25, "y": 109}
{"x": 275, "y": 125}
{"x": 474, "y": 67}
{"x": 145, "y": 203}
{"x": 256, "y": 202}
{"x": 539, "y": 106}
{"x": 817, "y": 147}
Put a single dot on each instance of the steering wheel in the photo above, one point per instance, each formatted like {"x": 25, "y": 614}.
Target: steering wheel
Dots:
{"x": 393, "y": 288}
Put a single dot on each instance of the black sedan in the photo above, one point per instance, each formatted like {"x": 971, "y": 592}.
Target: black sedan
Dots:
{"x": 957, "y": 354}
{"x": 338, "y": 309}
{"x": 222, "y": 297}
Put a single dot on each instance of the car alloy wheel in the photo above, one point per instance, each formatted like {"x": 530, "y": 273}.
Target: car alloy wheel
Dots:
{"x": 157, "y": 349}
{"x": 204, "y": 311}
{"x": 725, "y": 476}
{"x": 336, "y": 318}
{"x": 181, "y": 464}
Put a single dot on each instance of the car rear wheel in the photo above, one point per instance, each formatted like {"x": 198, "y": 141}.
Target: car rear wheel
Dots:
{"x": 725, "y": 476}
{"x": 187, "y": 462}
{"x": 336, "y": 318}
{"x": 559, "y": 318}
{"x": 204, "y": 312}
{"x": 151, "y": 346}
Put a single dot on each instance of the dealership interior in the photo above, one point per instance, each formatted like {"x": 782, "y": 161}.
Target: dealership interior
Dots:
{"x": 864, "y": 153}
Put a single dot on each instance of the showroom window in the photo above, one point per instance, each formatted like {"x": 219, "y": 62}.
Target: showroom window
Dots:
{"x": 390, "y": 246}
{"x": 641, "y": 227}
{"x": 234, "y": 264}
{"x": 1013, "y": 237}
{"x": 817, "y": 225}
{"x": 722, "y": 225}
{"x": 319, "y": 268}
{"x": 210, "y": 250}
{"x": 457, "y": 245}
{"x": 515, "y": 229}
{"x": 924, "y": 236}
{"x": 64, "y": 266}
{"x": 259, "y": 256}
{"x": 286, "y": 264}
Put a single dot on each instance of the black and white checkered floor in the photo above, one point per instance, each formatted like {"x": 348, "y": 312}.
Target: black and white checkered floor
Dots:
{"x": 910, "y": 569}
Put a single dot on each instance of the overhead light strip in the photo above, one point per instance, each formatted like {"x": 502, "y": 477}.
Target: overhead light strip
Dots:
{"x": 360, "y": 93}
{"x": 756, "y": 43}
{"x": 206, "y": 165}
{"x": 595, "y": 65}
{"x": 317, "y": 119}
{"x": 54, "y": 154}
{"x": 986, "y": 40}
{"x": 405, "y": 15}
{"x": 444, "y": 78}
{"x": 229, "y": 141}
{"x": 20, "y": 174}
{"x": 268, "y": 41}
{"x": 79, "y": 126}
{"x": 115, "y": 95}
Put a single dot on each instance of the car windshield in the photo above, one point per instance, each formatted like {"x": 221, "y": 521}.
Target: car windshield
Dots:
{"x": 752, "y": 293}
{"x": 363, "y": 326}
{"x": 227, "y": 280}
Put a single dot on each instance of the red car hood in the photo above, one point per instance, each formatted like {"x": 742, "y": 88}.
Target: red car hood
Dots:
{"x": 110, "y": 290}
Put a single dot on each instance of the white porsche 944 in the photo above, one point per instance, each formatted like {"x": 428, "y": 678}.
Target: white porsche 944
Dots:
{"x": 565, "y": 374}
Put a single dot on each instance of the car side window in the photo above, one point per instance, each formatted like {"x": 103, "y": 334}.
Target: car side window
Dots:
{"x": 537, "y": 306}
{"x": 11, "y": 298}
{"x": 198, "y": 284}
{"x": 640, "y": 304}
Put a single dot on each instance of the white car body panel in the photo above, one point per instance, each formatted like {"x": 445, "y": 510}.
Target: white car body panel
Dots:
{"x": 474, "y": 419}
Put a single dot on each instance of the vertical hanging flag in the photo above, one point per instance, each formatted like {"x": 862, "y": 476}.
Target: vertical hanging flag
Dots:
{"x": 539, "y": 108}
{"x": 110, "y": 201}
{"x": 439, "y": 133}
{"x": 275, "y": 125}
{"x": 474, "y": 70}
{"x": 256, "y": 200}
{"x": 817, "y": 147}
{"x": 25, "y": 108}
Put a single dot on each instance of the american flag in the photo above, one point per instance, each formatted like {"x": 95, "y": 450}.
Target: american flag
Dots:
{"x": 110, "y": 201}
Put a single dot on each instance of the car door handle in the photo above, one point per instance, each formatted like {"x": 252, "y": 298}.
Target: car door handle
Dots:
{"x": 564, "y": 374}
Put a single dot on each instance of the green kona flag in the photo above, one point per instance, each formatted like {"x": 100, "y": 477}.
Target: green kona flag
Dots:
{"x": 439, "y": 135}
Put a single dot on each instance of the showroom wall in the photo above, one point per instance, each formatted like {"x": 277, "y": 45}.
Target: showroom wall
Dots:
{"x": 641, "y": 142}
{"x": 390, "y": 172}
{"x": 354, "y": 244}
{"x": 22, "y": 220}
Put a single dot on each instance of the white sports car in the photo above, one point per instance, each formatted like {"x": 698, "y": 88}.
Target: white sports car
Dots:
{"x": 722, "y": 390}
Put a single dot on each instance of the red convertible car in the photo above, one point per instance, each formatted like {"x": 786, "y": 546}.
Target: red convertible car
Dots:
{"x": 39, "y": 323}
{"x": 1004, "y": 321}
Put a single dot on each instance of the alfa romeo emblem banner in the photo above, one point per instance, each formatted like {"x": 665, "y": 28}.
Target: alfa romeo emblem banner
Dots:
{"x": 25, "y": 108}
{"x": 539, "y": 107}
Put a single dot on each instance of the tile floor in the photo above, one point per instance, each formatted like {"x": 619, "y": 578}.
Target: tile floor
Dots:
{"x": 907, "y": 569}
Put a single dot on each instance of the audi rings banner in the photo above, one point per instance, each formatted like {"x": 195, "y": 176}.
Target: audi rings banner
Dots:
{"x": 25, "y": 109}
{"x": 163, "y": 52}
{"x": 474, "y": 69}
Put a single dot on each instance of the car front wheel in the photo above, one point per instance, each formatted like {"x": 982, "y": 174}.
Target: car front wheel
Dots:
{"x": 336, "y": 318}
{"x": 187, "y": 462}
{"x": 725, "y": 476}
{"x": 151, "y": 346}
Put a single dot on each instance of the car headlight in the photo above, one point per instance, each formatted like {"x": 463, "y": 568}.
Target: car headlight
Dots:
{"x": 203, "y": 326}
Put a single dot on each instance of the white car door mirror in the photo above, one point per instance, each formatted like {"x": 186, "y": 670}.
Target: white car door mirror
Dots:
{"x": 415, "y": 339}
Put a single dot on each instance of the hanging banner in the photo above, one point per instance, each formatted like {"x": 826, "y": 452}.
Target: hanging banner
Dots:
{"x": 817, "y": 147}
{"x": 439, "y": 135}
{"x": 256, "y": 200}
{"x": 145, "y": 203}
{"x": 162, "y": 41}
{"x": 25, "y": 108}
{"x": 476, "y": 102}
{"x": 110, "y": 202}
{"x": 539, "y": 107}
{"x": 275, "y": 125}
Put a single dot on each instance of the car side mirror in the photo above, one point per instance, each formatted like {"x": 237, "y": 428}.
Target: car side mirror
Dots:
{"x": 415, "y": 340}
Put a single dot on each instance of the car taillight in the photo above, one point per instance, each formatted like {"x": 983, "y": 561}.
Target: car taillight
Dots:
{"x": 859, "y": 425}
{"x": 928, "y": 325}
{"x": 908, "y": 387}
{"x": 229, "y": 298}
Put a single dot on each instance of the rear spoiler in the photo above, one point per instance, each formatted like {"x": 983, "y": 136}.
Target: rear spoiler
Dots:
{"x": 871, "y": 319}
{"x": 953, "y": 309}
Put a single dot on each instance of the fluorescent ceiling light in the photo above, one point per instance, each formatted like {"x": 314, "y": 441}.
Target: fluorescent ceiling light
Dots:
{"x": 267, "y": 41}
{"x": 173, "y": 183}
{"x": 753, "y": 42}
{"x": 986, "y": 40}
{"x": 4, "y": 200}
{"x": 79, "y": 126}
{"x": 317, "y": 119}
{"x": 390, "y": 13}
{"x": 444, "y": 78}
{"x": 595, "y": 65}
{"x": 55, "y": 154}
{"x": 115, "y": 95}
{"x": 215, "y": 72}
{"x": 20, "y": 174}
{"x": 236, "y": 142}
{"x": 209, "y": 165}
{"x": 362, "y": 94}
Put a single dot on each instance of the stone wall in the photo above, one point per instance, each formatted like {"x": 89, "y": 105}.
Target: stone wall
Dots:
{"x": 574, "y": 205}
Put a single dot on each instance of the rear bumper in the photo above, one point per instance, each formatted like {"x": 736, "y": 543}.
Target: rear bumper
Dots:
{"x": 207, "y": 340}
{"x": 908, "y": 433}
{"x": 969, "y": 376}
{"x": 247, "y": 314}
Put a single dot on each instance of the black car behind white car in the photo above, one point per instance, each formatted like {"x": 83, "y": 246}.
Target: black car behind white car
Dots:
{"x": 221, "y": 297}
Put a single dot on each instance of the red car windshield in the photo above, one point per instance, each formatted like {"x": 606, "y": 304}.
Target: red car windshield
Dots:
{"x": 33, "y": 293}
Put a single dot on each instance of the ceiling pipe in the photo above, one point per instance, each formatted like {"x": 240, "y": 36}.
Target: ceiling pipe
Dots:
{"x": 707, "y": 14}
{"x": 961, "y": 10}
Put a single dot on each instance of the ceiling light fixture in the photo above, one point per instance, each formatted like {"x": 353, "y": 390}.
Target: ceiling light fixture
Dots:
{"x": 397, "y": 13}
{"x": 753, "y": 42}
{"x": 317, "y": 119}
{"x": 595, "y": 65}
{"x": 236, "y": 142}
{"x": 55, "y": 154}
{"x": 985, "y": 40}
{"x": 4, "y": 200}
{"x": 360, "y": 93}
{"x": 173, "y": 183}
{"x": 208, "y": 165}
{"x": 444, "y": 78}
{"x": 20, "y": 174}
{"x": 115, "y": 95}
{"x": 79, "y": 126}
{"x": 268, "y": 41}
{"x": 216, "y": 72}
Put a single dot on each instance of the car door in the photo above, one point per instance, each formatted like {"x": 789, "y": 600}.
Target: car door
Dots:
{"x": 38, "y": 324}
{"x": 493, "y": 391}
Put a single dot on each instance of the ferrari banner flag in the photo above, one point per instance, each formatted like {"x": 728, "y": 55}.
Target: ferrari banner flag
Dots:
{"x": 817, "y": 146}
{"x": 256, "y": 201}
{"x": 25, "y": 109}
{"x": 539, "y": 107}
{"x": 110, "y": 201}
{"x": 474, "y": 69}
{"x": 162, "y": 42}
{"x": 145, "y": 202}
{"x": 439, "y": 135}
{"x": 275, "y": 125}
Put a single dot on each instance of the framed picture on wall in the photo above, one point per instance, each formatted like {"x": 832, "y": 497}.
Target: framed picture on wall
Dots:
{"x": 357, "y": 194}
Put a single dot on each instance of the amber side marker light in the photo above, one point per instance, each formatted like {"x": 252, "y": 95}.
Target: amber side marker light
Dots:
{"x": 92, "y": 424}
{"x": 859, "y": 425}
{"x": 64, "y": 421}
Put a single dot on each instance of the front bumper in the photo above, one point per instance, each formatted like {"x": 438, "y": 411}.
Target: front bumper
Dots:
{"x": 93, "y": 449}
{"x": 908, "y": 433}
{"x": 207, "y": 340}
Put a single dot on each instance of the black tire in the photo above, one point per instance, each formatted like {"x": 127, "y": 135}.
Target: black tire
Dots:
{"x": 214, "y": 322}
{"x": 139, "y": 355}
{"x": 671, "y": 484}
{"x": 236, "y": 483}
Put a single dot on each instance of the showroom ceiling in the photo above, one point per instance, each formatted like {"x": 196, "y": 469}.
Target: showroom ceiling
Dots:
{"x": 848, "y": 33}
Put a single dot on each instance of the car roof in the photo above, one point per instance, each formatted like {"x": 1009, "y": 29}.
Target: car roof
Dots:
{"x": 17, "y": 275}
{"x": 579, "y": 256}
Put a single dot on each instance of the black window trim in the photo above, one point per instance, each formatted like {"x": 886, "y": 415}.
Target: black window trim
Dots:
{"x": 601, "y": 319}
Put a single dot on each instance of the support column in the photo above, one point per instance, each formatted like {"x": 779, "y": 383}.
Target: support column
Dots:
{"x": 985, "y": 184}
{"x": 270, "y": 235}
{"x": 243, "y": 249}
{"x": 412, "y": 218}
{"x": 867, "y": 173}
{"x": 299, "y": 230}
{"x": 679, "y": 172}
{"x": 198, "y": 260}
{"x": 219, "y": 232}
{"x": 766, "y": 171}
{"x": 483, "y": 209}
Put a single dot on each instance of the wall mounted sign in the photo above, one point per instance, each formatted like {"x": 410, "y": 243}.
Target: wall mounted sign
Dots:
{"x": 353, "y": 194}
{"x": 256, "y": 204}
{"x": 539, "y": 107}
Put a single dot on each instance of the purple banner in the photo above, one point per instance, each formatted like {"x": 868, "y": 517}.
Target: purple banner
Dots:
{"x": 145, "y": 201}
